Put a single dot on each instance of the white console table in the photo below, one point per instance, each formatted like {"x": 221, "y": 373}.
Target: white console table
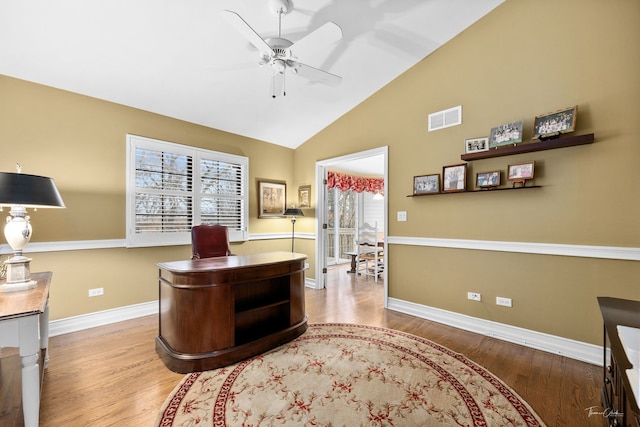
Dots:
{"x": 24, "y": 323}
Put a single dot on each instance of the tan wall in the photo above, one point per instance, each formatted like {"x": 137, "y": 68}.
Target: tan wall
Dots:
{"x": 525, "y": 58}
{"x": 80, "y": 142}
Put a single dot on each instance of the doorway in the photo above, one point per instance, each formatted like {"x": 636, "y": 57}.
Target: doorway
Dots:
{"x": 376, "y": 161}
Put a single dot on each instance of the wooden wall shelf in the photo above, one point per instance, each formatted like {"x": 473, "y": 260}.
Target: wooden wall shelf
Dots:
{"x": 475, "y": 191}
{"x": 530, "y": 147}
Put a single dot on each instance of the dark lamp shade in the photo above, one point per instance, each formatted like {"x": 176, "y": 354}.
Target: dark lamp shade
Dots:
{"x": 293, "y": 212}
{"x": 30, "y": 191}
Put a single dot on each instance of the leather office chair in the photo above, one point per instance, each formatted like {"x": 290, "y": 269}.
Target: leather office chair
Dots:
{"x": 208, "y": 241}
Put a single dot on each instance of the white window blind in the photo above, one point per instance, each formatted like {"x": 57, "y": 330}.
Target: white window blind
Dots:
{"x": 172, "y": 187}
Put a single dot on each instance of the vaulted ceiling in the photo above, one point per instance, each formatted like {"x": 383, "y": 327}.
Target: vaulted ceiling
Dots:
{"x": 182, "y": 59}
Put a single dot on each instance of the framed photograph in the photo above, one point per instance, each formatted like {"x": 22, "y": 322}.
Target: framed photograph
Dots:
{"x": 454, "y": 178}
{"x": 475, "y": 145}
{"x": 554, "y": 124}
{"x": 510, "y": 133}
{"x": 488, "y": 179}
{"x": 426, "y": 184}
{"x": 272, "y": 198}
{"x": 304, "y": 196}
{"x": 521, "y": 171}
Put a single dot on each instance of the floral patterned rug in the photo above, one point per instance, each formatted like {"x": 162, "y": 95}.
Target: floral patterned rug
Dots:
{"x": 348, "y": 375}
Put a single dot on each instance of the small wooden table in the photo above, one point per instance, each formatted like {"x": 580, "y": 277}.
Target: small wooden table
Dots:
{"x": 24, "y": 323}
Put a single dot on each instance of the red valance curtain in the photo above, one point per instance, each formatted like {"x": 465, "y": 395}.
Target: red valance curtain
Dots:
{"x": 345, "y": 182}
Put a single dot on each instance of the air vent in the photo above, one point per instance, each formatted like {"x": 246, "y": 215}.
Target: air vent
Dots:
{"x": 445, "y": 118}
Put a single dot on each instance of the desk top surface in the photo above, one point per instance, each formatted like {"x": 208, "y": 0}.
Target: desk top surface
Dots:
{"x": 26, "y": 303}
{"x": 231, "y": 262}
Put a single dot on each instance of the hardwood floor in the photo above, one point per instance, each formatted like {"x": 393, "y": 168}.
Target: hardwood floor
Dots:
{"x": 111, "y": 375}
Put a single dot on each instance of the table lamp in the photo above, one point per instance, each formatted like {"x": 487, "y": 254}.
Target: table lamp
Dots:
{"x": 20, "y": 191}
{"x": 293, "y": 213}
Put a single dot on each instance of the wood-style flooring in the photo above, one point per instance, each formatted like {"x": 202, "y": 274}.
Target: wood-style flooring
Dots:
{"x": 111, "y": 375}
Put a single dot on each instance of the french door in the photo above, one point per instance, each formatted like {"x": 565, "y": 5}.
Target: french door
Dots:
{"x": 342, "y": 214}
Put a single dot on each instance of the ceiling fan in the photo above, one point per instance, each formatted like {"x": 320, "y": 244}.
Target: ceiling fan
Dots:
{"x": 278, "y": 52}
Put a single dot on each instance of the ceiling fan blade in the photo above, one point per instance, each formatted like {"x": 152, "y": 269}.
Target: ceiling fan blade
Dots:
{"x": 247, "y": 32}
{"x": 324, "y": 35}
{"x": 315, "y": 74}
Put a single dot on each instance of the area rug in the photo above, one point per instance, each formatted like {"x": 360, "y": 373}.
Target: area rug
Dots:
{"x": 348, "y": 375}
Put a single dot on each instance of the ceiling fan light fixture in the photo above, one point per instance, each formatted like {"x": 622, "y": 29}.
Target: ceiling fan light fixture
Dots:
{"x": 277, "y": 51}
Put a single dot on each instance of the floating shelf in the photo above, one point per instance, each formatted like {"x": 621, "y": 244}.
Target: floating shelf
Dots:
{"x": 530, "y": 147}
{"x": 491, "y": 190}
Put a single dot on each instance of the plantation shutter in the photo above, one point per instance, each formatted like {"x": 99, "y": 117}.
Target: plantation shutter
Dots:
{"x": 172, "y": 187}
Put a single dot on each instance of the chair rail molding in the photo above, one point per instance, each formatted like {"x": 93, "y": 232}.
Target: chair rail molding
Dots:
{"x": 605, "y": 252}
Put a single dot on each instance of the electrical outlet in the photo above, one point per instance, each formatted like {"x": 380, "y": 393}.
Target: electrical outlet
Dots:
{"x": 505, "y": 302}
{"x": 96, "y": 292}
{"x": 474, "y": 296}
{"x": 402, "y": 216}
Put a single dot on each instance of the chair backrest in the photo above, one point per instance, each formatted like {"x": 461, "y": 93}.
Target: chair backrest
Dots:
{"x": 368, "y": 235}
{"x": 208, "y": 241}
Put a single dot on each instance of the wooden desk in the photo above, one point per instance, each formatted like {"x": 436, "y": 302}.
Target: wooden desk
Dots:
{"x": 218, "y": 311}
{"x": 618, "y": 400}
{"x": 24, "y": 323}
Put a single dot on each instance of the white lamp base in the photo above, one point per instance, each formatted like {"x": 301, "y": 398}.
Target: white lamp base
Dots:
{"x": 22, "y": 286}
{"x": 18, "y": 275}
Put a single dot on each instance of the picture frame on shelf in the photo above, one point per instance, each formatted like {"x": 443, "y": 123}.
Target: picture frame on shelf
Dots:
{"x": 476, "y": 145}
{"x": 426, "y": 184}
{"x": 454, "y": 178}
{"x": 552, "y": 125}
{"x": 520, "y": 172}
{"x": 304, "y": 196}
{"x": 272, "y": 198}
{"x": 508, "y": 133}
{"x": 488, "y": 179}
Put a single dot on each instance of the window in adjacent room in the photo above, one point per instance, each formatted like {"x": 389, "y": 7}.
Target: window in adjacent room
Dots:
{"x": 172, "y": 187}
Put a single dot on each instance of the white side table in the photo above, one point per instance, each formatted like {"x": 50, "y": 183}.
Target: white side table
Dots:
{"x": 24, "y": 323}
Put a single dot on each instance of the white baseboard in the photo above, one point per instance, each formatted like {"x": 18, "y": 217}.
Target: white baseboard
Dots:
{"x": 550, "y": 343}
{"x": 100, "y": 318}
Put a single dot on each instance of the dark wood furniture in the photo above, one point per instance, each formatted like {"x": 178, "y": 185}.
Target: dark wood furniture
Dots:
{"x": 24, "y": 323}
{"x": 218, "y": 311}
{"x": 531, "y": 147}
{"x": 621, "y": 407}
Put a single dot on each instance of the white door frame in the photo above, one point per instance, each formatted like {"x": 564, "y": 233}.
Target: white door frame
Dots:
{"x": 321, "y": 212}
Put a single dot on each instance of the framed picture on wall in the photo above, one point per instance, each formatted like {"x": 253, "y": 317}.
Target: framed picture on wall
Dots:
{"x": 475, "y": 145}
{"x": 550, "y": 125}
{"x": 454, "y": 178}
{"x": 521, "y": 171}
{"x": 272, "y": 198}
{"x": 426, "y": 184}
{"x": 509, "y": 133}
{"x": 304, "y": 196}
{"x": 488, "y": 179}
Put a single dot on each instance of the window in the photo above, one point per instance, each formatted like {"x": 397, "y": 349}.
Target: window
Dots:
{"x": 171, "y": 187}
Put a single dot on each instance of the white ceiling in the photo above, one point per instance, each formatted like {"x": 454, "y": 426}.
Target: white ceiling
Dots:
{"x": 179, "y": 58}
